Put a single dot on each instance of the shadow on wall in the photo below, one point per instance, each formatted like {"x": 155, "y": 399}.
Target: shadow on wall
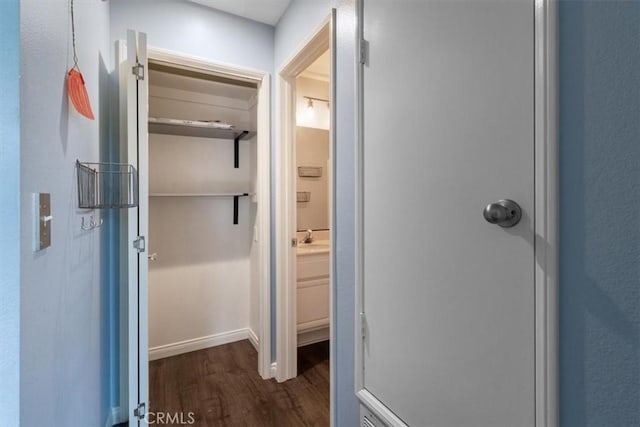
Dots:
{"x": 599, "y": 213}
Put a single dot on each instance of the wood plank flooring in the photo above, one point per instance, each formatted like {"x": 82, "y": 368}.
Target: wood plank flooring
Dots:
{"x": 221, "y": 386}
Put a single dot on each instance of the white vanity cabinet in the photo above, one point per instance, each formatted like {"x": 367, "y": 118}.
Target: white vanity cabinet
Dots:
{"x": 312, "y": 297}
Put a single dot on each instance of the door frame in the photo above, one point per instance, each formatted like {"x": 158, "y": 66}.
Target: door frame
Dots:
{"x": 546, "y": 199}
{"x": 263, "y": 196}
{"x": 317, "y": 42}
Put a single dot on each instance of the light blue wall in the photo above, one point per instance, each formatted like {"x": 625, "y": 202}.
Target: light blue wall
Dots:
{"x": 600, "y": 213}
{"x": 9, "y": 212}
{"x": 197, "y": 30}
{"x": 63, "y": 333}
{"x": 296, "y": 24}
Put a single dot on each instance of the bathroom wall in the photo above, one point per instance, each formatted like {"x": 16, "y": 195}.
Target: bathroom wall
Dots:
{"x": 312, "y": 149}
{"x": 64, "y": 330}
{"x": 10, "y": 211}
{"x": 319, "y": 116}
{"x": 599, "y": 213}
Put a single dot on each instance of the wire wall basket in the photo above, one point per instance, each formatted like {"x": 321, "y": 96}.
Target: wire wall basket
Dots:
{"x": 107, "y": 185}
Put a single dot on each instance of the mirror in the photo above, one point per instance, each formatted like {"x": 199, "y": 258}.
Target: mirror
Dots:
{"x": 312, "y": 159}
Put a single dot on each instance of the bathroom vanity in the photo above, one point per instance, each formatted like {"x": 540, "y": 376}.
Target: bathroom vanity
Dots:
{"x": 313, "y": 290}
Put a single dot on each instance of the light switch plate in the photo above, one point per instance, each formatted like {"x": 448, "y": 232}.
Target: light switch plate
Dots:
{"x": 43, "y": 219}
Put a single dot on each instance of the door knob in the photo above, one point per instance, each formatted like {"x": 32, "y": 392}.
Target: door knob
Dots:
{"x": 505, "y": 213}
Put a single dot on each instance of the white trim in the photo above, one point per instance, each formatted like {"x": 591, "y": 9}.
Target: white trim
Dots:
{"x": 546, "y": 212}
{"x": 273, "y": 369}
{"x": 195, "y": 344}
{"x": 253, "y": 338}
{"x": 545, "y": 224}
{"x": 120, "y": 66}
{"x": 191, "y": 62}
{"x": 333, "y": 288}
{"x": 359, "y": 211}
{"x": 379, "y": 410}
{"x": 313, "y": 335}
{"x": 315, "y": 76}
{"x": 286, "y": 332}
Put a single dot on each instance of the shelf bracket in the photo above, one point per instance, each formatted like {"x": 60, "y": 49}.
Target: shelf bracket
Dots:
{"x": 235, "y": 210}
{"x": 236, "y": 149}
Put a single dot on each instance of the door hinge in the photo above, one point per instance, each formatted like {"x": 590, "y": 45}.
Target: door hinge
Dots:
{"x": 140, "y": 411}
{"x": 294, "y": 242}
{"x": 138, "y": 71}
{"x": 364, "y": 52}
{"x": 363, "y": 326}
{"x": 140, "y": 244}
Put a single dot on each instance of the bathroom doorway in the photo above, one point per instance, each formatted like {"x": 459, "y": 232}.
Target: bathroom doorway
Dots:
{"x": 304, "y": 216}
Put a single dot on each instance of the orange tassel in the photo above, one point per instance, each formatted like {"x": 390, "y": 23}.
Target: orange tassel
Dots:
{"x": 78, "y": 93}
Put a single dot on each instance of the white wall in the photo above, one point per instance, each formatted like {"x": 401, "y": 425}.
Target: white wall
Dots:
{"x": 199, "y": 287}
{"x": 10, "y": 211}
{"x": 319, "y": 116}
{"x": 64, "y": 326}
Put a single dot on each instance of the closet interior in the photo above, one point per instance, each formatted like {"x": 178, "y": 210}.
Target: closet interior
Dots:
{"x": 203, "y": 211}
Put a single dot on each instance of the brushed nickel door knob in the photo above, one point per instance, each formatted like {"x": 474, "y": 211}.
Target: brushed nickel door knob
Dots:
{"x": 505, "y": 213}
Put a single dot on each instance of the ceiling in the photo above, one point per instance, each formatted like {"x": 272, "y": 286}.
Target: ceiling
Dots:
{"x": 267, "y": 11}
{"x": 320, "y": 68}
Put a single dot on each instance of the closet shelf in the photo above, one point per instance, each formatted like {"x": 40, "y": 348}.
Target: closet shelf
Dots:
{"x": 200, "y": 194}
{"x": 198, "y": 131}
{"x": 202, "y": 130}
{"x": 235, "y": 196}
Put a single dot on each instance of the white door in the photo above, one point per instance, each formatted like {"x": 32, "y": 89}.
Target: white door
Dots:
{"x": 448, "y": 127}
{"x": 134, "y": 144}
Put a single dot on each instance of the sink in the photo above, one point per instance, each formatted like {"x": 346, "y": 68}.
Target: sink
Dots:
{"x": 317, "y": 246}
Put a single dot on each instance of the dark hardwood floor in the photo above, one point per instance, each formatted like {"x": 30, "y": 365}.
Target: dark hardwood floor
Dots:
{"x": 221, "y": 387}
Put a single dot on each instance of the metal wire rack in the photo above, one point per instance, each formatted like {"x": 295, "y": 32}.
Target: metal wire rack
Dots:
{"x": 107, "y": 185}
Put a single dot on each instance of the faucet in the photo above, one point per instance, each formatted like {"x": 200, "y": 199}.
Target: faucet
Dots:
{"x": 308, "y": 238}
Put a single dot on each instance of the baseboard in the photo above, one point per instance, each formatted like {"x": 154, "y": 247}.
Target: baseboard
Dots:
{"x": 195, "y": 344}
{"x": 118, "y": 417}
{"x": 253, "y": 338}
{"x": 114, "y": 417}
{"x": 313, "y": 336}
{"x": 273, "y": 370}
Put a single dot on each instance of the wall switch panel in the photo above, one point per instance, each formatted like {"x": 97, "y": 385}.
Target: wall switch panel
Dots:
{"x": 43, "y": 218}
